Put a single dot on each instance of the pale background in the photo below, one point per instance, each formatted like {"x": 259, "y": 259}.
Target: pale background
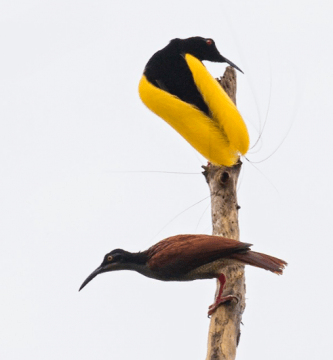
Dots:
{"x": 71, "y": 119}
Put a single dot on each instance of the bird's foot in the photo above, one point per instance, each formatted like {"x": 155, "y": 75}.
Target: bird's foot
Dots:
{"x": 220, "y": 301}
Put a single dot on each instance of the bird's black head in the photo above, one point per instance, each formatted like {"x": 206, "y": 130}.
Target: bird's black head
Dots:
{"x": 117, "y": 256}
{"x": 117, "y": 259}
{"x": 202, "y": 49}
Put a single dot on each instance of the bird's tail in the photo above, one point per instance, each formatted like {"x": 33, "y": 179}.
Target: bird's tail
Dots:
{"x": 262, "y": 261}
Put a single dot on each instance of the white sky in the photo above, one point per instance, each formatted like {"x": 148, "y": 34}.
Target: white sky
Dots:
{"x": 71, "y": 119}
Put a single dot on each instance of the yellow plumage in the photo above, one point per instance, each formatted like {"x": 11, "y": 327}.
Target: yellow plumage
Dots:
{"x": 224, "y": 111}
{"x": 220, "y": 138}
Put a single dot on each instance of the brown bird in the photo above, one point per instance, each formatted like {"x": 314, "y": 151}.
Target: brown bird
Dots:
{"x": 189, "y": 257}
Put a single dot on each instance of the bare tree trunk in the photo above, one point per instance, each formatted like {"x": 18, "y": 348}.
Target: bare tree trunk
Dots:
{"x": 224, "y": 331}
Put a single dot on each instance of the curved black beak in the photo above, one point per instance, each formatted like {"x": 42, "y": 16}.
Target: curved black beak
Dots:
{"x": 223, "y": 59}
{"x": 98, "y": 271}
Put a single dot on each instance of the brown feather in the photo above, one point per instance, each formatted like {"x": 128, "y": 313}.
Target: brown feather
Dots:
{"x": 260, "y": 260}
{"x": 180, "y": 254}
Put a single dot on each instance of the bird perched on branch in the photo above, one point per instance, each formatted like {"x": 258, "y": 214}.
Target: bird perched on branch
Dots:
{"x": 177, "y": 87}
{"x": 189, "y": 257}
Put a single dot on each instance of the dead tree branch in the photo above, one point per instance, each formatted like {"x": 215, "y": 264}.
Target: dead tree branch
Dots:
{"x": 224, "y": 331}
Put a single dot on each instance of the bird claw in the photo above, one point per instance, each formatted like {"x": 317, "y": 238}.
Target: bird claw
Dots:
{"x": 212, "y": 308}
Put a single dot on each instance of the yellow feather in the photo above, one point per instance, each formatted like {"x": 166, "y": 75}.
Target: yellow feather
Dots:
{"x": 223, "y": 110}
{"x": 195, "y": 127}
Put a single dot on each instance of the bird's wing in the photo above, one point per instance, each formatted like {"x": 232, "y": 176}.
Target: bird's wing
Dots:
{"x": 182, "y": 253}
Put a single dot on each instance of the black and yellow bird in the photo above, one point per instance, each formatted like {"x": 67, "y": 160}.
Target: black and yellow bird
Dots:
{"x": 177, "y": 87}
{"x": 189, "y": 257}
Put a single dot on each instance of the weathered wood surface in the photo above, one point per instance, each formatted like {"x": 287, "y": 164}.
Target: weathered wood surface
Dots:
{"x": 224, "y": 331}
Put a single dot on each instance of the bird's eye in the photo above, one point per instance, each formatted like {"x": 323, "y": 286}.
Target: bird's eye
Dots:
{"x": 110, "y": 258}
{"x": 209, "y": 42}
